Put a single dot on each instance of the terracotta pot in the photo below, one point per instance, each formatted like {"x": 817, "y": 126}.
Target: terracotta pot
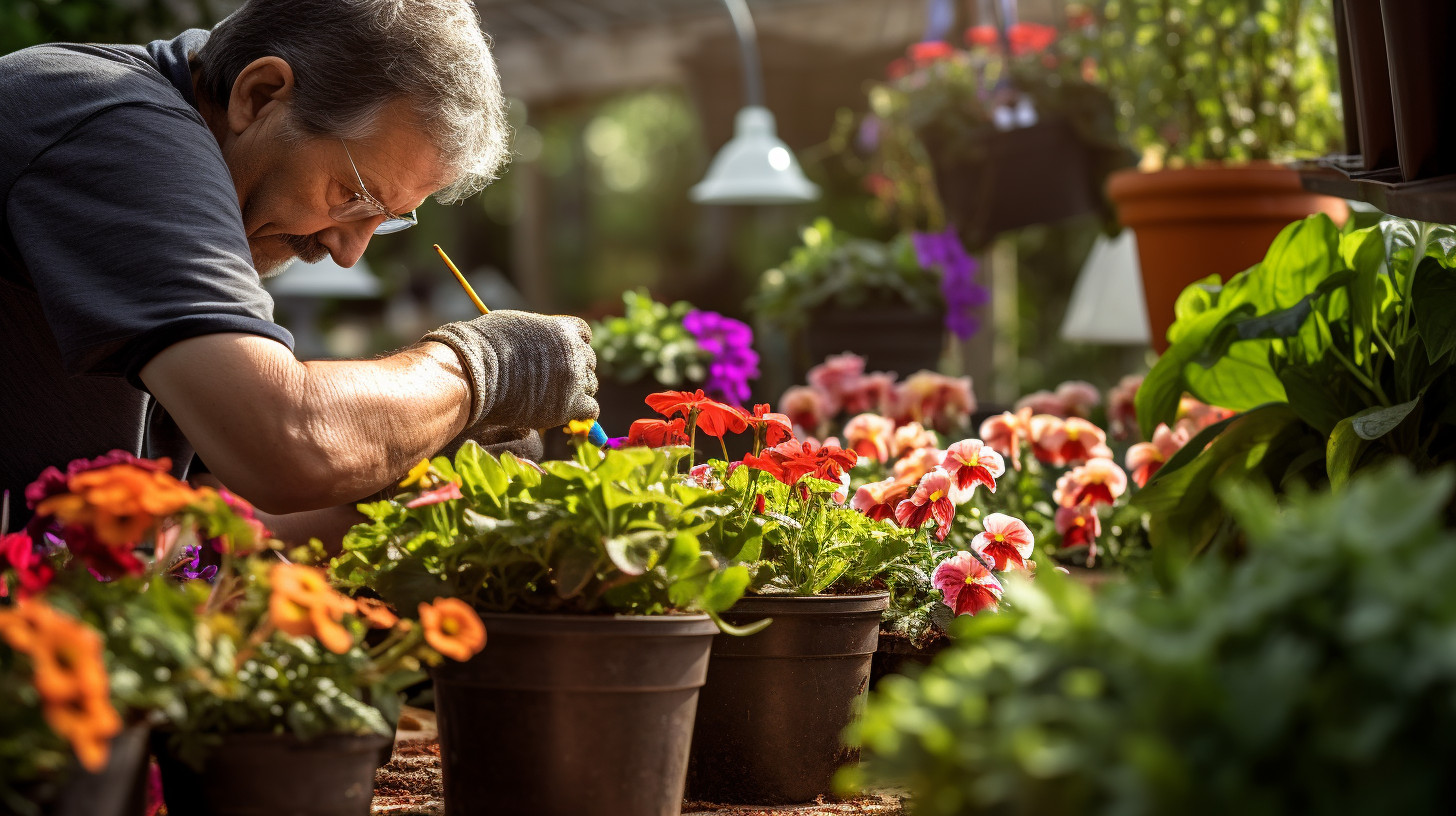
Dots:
{"x": 776, "y": 702}
{"x": 266, "y": 774}
{"x": 563, "y": 715}
{"x": 1214, "y": 220}
{"x": 1418, "y": 37}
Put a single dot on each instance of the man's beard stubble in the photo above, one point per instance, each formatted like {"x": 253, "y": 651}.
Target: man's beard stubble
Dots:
{"x": 302, "y": 247}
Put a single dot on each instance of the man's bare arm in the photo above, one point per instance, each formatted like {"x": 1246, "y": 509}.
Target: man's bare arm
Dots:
{"x": 291, "y": 436}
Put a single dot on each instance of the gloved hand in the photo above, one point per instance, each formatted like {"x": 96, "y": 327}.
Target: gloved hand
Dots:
{"x": 525, "y": 370}
{"x": 524, "y": 443}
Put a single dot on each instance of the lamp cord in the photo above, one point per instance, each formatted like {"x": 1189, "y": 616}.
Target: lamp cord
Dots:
{"x": 748, "y": 51}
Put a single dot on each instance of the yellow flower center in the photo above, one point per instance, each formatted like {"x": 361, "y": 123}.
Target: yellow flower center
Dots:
{"x": 970, "y": 580}
{"x": 1000, "y": 539}
{"x": 936, "y": 495}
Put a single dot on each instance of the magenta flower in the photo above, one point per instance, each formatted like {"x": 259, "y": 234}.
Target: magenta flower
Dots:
{"x": 970, "y": 462}
{"x": 965, "y": 584}
{"x": 931, "y": 500}
{"x": 732, "y": 362}
{"x": 1005, "y": 542}
{"x": 963, "y": 296}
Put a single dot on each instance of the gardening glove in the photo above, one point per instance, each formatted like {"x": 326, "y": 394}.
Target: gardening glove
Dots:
{"x": 525, "y": 370}
{"x": 523, "y": 443}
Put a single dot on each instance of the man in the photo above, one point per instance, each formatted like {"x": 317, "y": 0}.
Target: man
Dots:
{"x": 145, "y": 190}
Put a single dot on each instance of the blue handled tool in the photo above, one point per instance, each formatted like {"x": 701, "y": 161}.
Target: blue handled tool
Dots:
{"x": 597, "y": 436}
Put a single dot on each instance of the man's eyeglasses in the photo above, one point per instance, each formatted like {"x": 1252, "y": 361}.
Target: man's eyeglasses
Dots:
{"x": 362, "y": 205}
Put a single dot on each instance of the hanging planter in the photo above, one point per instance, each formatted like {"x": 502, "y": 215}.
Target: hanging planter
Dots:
{"x": 775, "y": 703}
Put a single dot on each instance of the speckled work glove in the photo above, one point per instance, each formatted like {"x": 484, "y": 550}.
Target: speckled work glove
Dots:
{"x": 525, "y": 370}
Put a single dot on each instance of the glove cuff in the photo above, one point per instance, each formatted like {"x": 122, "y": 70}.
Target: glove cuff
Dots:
{"x": 478, "y": 362}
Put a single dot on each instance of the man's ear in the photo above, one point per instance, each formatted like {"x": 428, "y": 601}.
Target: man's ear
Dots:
{"x": 262, "y": 89}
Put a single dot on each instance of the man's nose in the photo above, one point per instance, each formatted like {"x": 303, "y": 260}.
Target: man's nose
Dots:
{"x": 346, "y": 242}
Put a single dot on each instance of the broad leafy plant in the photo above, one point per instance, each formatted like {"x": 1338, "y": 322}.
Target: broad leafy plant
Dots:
{"x": 1336, "y": 349}
{"x": 1304, "y": 678}
{"x": 608, "y": 531}
{"x": 649, "y": 342}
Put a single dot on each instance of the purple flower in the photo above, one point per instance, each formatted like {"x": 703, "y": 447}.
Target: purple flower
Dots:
{"x": 192, "y": 569}
{"x": 732, "y": 362}
{"x": 963, "y": 296}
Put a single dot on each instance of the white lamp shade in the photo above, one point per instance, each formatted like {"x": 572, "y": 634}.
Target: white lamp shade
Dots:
{"x": 1107, "y": 301}
{"x": 325, "y": 279}
{"x": 755, "y": 167}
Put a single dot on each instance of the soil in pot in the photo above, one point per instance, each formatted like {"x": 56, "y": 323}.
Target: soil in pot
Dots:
{"x": 776, "y": 702}
{"x": 563, "y": 715}
{"x": 1209, "y": 220}
{"x": 274, "y": 775}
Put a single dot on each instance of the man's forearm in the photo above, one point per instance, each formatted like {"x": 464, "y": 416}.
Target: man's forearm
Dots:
{"x": 291, "y": 436}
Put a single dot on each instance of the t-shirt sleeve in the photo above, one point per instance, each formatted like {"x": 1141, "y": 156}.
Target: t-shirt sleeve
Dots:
{"x": 130, "y": 231}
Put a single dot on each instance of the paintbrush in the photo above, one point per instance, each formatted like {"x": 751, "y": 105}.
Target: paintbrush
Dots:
{"x": 597, "y": 436}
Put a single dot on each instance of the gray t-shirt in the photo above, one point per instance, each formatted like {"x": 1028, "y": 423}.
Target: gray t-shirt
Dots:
{"x": 120, "y": 235}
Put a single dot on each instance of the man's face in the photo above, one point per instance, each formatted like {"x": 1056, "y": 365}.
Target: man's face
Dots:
{"x": 287, "y": 186}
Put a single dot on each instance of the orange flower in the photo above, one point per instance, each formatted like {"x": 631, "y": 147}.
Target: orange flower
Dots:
{"x": 452, "y": 628}
{"x": 376, "y": 613}
{"x": 120, "y": 502}
{"x": 304, "y": 605}
{"x": 88, "y": 723}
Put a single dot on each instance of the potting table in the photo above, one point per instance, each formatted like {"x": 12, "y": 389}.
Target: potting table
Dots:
{"x": 410, "y": 785}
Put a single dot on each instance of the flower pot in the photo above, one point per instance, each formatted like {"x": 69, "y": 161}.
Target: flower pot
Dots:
{"x": 119, "y": 789}
{"x": 1211, "y": 220}
{"x": 891, "y": 337}
{"x": 1418, "y": 37}
{"x": 897, "y": 654}
{"x": 776, "y": 702}
{"x": 562, "y": 715}
{"x": 1370, "y": 78}
{"x": 272, "y": 775}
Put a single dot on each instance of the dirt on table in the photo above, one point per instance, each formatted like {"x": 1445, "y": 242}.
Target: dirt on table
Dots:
{"x": 876, "y": 804}
{"x": 411, "y": 782}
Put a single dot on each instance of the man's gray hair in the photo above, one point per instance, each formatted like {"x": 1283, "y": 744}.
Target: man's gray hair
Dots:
{"x": 350, "y": 58}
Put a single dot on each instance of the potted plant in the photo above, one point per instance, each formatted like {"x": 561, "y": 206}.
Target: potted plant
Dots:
{"x": 1213, "y": 96}
{"x": 839, "y": 293}
{"x": 1336, "y": 352}
{"x": 1001, "y": 134}
{"x": 600, "y": 599}
{"x": 1298, "y": 679}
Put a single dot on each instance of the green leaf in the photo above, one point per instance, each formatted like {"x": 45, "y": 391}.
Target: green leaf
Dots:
{"x": 1373, "y": 423}
{"x": 575, "y": 568}
{"x": 1342, "y": 452}
{"x": 635, "y": 553}
{"x": 739, "y": 631}
{"x": 1434, "y": 303}
{"x": 724, "y": 589}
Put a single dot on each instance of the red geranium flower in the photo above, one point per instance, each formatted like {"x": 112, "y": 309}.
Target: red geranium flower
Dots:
{"x": 657, "y": 433}
{"x": 32, "y": 573}
{"x": 924, "y": 53}
{"x": 712, "y": 417}
{"x": 769, "y": 427}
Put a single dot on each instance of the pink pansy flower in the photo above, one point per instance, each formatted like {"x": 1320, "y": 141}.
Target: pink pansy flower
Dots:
{"x": 969, "y": 463}
{"x": 1194, "y": 416}
{"x": 1078, "y": 525}
{"x": 1005, "y": 432}
{"x": 917, "y": 463}
{"x": 870, "y": 436}
{"x": 1042, "y": 402}
{"x": 837, "y": 376}
{"x": 935, "y": 400}
{"x": 807, "y": 408}
{"x": 912, "y": 436}
{"x": 1006, "y": 541}
{"x": 931, "y": 500}
{"x": 1079, "y": 397}
{"x": 1146, "y": 458}
{"x": 879, "y": 499}
{"x": 966, "y": 585}
{"x": 1076, "y": 440}
{"x": 451, "y": 490}
{"x": 1122, "y": 406}
{"x": 1043, "y": 430}
{"x": 1100, "y": 481}
{"x": 874, "y": 393}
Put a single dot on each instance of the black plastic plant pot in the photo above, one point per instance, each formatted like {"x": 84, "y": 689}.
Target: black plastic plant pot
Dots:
{"x": 897, "y": 654}
{"x": 118, "y": 789}
{"x": 890, "y": 336}
{"x": 772, "y": 715}
{"x": 273, "y": 775}
{"x": 1370, "y": 84}
{"x": 563, "y": 715}
{"x": 1418, "y": 38}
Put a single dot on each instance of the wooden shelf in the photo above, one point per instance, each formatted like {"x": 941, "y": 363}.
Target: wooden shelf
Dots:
{"x": 1423, "y": 200}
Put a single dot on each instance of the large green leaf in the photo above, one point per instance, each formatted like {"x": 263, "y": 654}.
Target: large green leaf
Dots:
{"x": 1342, "y": 453}
{"x": 1373, "y": 423}
{"x": 1434, "y": 302}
